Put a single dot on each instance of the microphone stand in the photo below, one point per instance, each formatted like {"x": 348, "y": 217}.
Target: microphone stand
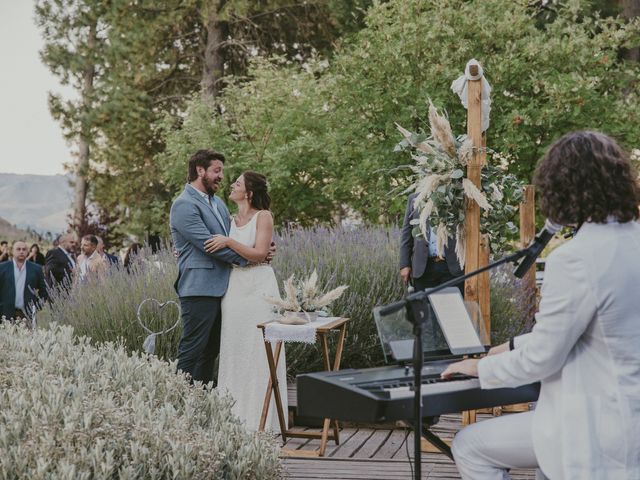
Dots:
{"x": 418, "y": 315}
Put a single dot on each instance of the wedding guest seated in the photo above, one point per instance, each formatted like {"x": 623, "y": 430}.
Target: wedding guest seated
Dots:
{"x": 90, "y": 262}
{"x": 35, "y": 256}
{"x": 22, "y": 285}
{"x": 584, "y": 346}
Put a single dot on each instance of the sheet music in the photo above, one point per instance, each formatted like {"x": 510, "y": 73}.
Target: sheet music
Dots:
{"x": 455, "y": 322}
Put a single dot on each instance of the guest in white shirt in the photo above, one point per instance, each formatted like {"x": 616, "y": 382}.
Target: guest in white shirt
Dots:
{"x": 585, "y": 346}
{"x": 21, "y": 285}
{"x": 90, "y": 262}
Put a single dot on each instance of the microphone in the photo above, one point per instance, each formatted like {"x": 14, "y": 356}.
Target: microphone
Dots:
{"x": 535, "y": 249}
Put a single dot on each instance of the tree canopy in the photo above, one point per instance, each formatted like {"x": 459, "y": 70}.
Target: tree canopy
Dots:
{"x": 325, "y": 136}
{"x": 308, "y": 93}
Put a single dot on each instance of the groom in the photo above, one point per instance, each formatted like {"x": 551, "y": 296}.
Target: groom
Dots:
{"x": 202, "y": 281}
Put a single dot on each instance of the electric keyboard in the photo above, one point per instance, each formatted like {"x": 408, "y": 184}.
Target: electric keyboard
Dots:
{"x": 386, "y": 393}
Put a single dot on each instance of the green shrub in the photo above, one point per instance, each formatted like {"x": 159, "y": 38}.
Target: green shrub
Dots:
{"x": 323, "y": 132}
{"x": 74, "y": 411}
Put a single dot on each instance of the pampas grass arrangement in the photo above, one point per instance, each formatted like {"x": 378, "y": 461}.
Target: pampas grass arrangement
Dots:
{"x": 438, "y": 180}
{"x": 305, "y": 295}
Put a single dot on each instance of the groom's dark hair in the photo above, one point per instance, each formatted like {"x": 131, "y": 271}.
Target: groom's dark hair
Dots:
{"x": 202, "y": 158}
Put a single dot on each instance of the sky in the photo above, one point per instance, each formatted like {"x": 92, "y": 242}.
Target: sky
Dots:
{"x": 31, "y": 140}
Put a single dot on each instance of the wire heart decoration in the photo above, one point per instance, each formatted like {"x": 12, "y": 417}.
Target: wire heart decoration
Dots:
{"x": 149, "y": 344}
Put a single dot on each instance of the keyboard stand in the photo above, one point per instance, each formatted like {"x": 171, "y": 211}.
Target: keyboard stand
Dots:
{"x": 436, "y": 441}
{"x": 432, "y": 443}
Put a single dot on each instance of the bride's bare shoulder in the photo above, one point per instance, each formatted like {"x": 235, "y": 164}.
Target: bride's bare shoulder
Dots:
{"x": 265, "y": 214}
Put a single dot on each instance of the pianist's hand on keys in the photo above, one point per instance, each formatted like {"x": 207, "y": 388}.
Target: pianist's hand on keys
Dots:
{"x": 466, "y": 367}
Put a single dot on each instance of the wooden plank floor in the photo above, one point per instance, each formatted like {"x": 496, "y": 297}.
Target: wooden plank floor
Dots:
{"x": 374, "y": 452}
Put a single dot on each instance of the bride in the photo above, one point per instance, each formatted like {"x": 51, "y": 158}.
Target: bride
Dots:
{"x": 243, "y": 369}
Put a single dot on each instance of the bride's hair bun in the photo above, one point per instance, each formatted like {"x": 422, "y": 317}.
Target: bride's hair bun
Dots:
{"x": 257, "y": 189}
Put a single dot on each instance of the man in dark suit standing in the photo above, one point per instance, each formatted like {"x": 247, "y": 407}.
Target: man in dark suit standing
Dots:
{"x": 420, "y": 264}
{"x": 22, "y": 285}
{"x": 59, "y": 262}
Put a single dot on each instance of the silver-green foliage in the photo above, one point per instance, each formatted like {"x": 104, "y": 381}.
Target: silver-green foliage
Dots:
{"x": 74, "y": 411}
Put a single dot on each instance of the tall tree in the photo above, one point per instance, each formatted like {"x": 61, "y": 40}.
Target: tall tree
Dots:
{"x": 142, "y": 61}
{"x": 153, "y": 67}
{"x": 72, "y": 31}
{"x": 237, "y": 30}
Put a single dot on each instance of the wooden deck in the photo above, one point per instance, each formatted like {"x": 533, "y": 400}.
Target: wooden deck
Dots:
{"x": 373, "y": 452}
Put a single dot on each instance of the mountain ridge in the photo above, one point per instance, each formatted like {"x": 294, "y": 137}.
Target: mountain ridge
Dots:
{"x": 37, "y": 202}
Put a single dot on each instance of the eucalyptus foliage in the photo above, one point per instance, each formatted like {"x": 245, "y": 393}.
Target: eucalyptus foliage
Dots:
{"x": 441, "y": 187}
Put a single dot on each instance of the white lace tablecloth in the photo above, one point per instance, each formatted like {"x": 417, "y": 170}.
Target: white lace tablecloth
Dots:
{"x": 279, "y": 332}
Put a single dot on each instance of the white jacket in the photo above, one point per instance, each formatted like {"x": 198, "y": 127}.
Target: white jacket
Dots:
{"x": 585, "y": 348}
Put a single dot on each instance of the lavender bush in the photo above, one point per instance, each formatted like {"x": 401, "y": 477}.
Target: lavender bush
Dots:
{"x": 512, "y": 305}
{"x": 365, "y": 259}
{"x": 105, "y": 309}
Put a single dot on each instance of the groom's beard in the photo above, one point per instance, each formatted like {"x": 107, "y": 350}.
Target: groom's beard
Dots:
{"x": 210, "y": 187}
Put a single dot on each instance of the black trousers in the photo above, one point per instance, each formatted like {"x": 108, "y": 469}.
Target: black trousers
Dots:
{"x": 200, "y": 343}
{"x": 435, "y": 274}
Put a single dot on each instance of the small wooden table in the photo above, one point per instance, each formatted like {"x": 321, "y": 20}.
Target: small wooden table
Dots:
{"x": 340, "y": 325}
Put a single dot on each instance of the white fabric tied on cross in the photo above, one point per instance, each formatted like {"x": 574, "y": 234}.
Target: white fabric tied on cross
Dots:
{"x": 459, "y": 86}
{"x": 280, "y": 332}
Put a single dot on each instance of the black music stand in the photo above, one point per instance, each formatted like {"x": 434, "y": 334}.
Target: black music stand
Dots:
{"x": 418, "y": 311}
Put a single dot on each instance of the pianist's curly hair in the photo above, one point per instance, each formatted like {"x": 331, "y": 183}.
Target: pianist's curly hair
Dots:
{"x": 586, "y": 176}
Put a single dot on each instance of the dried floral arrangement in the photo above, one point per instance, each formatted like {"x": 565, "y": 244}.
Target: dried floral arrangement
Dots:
{"x": 438, "y": 179}
{"x": 306, "y": 296}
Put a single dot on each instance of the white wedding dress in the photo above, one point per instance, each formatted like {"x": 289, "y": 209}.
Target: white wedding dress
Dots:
{"x": 243, "y": 368}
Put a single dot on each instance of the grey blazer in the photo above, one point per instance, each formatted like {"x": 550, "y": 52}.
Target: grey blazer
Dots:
{"x": 193, "y": 221}
{"x": 414, "y": 252}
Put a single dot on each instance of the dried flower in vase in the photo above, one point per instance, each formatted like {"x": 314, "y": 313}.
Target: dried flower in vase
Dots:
{"x": 305, "y": 296}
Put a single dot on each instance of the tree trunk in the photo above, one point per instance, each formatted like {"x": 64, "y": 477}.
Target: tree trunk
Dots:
{"x": 213, "y": 54}
{"x": 630, "y": 10}
{"x": 82, "y": 166}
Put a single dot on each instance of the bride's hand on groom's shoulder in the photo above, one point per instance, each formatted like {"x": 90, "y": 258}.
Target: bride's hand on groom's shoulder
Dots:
{"x": 215, "y": 243}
